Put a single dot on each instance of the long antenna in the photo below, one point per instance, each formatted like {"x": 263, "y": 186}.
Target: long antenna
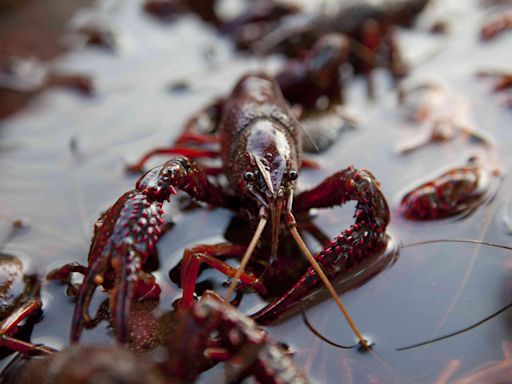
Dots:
{"x": 457, "y": 241}
{"x": 245, "y": 258}
{"x": 327, "y": 283}
{"x": 480, "y": 322}
{"x": 498, "y": 312}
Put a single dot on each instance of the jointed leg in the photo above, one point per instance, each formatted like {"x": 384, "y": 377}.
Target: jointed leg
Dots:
{"x": 354, "y": 244}
{"x": 9, "y": 327}
{"x": 184, "y": 151}
{"x": 200, "y": 129}
{"x": 209, "y": 254}
{"x": 64, "y": 275}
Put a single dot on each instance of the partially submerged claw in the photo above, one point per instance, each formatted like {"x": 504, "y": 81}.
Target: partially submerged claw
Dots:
{"x": 125, "y": 239}
{"x": 122, "y": 244}
{"x": 357, "y": 243}
{"x": 457, "y": 191}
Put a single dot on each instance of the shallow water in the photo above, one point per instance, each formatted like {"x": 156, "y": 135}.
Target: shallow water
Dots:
{"x": 429, "y": 291}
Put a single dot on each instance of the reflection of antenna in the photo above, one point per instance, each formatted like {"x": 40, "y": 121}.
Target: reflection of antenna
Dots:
{"x": 320, "y": 336}
{"x": 468, "y": 328}
{"x": 434, "y": 340}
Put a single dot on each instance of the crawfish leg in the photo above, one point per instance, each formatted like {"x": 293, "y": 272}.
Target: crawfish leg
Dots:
{"x": 356, "y": 243}
{"x": 64, "y": 274}
{"x": 193, "y": 153}
{"x": 92, "y": 279}
{"x": 208, "y": 254}
{"x": 200, "y": 129}
{"x": 9, "y": 327}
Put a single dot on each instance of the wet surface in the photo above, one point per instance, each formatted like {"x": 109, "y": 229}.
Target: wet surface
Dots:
{"x": 63, "y": 158}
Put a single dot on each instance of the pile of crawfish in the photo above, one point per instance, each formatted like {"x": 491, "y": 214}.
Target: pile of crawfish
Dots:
{"x": 257, "y": 134}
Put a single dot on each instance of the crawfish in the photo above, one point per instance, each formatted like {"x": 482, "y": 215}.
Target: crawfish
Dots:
{"x": 261, "y": 153}
{"x": 459, "y": 190}
{"x": 208, "y": 332}
{"x": 369, "y": 25}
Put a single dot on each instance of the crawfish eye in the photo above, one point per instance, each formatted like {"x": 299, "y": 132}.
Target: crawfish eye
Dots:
{"x": 292, "y": 175}
{"x": 248, "y": 176}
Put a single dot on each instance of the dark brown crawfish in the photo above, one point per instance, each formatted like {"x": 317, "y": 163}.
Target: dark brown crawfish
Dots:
{"x": 208, "y": 332}
{"x": 369, "y": 25}
{"x": 261, "y": 155}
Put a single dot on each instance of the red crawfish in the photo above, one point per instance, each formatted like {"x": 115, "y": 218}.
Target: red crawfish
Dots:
{"x": 306, "y": 83}
{"x": 459, "y": 190}
{"x": 261, "y": 153}
{"x": 208, "y": 332}
{"x": 369, "y": 26}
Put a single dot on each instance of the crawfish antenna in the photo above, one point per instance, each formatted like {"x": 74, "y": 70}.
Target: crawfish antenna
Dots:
{"x": 245, "y": 258}
{"x": 324, "y": 278}
{"x": 468, "y": 328}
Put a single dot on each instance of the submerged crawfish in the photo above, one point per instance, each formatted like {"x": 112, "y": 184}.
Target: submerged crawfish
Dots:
{"x": 261, "y": 154}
